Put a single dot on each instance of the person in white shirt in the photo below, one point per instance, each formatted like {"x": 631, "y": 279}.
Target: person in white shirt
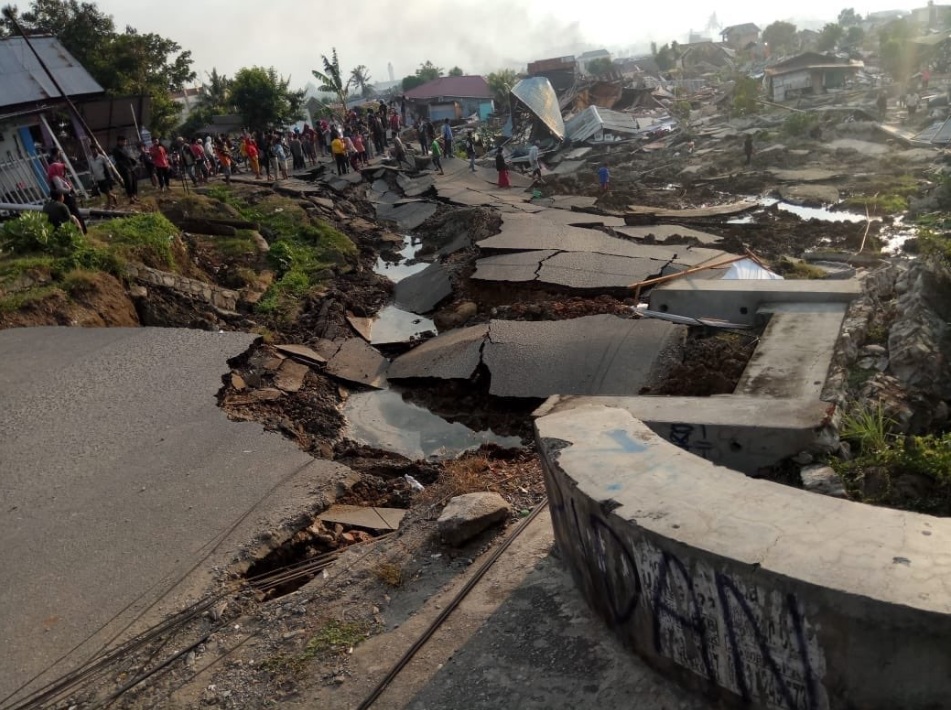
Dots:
{"x": 536, "y": 167}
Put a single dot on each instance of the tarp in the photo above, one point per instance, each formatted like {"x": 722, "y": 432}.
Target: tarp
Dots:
{"x": 749, "y": 269}
{"x": 593, "y": 121}
{"x": 538, "y": 96}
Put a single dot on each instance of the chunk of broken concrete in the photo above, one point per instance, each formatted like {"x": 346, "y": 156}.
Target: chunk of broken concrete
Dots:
{"x": 822, "y": 479}
{"x": 290, "y": 376}
{"x": 467, "y": 515}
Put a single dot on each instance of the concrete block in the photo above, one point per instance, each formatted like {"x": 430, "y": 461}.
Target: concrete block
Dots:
{"x": 773, "y": 596}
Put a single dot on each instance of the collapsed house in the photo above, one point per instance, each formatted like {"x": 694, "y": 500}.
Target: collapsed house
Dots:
{"x": 35, "y": 117}
{"x": 808, "y": 73}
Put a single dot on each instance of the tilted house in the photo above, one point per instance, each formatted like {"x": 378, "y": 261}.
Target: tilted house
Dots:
{"x": 33, "y": 116}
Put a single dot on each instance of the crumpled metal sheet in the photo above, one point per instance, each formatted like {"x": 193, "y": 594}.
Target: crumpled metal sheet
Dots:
{"x": 538, "y": 96}
{"x": 593, "y": 120}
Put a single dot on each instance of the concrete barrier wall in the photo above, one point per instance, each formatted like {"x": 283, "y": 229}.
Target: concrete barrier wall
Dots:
{"x": 762, "y": 595}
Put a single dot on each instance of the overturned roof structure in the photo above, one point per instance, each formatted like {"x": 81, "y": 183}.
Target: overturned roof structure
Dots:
{"x": 595, "y": 121}
{"x": 538, "y": 97}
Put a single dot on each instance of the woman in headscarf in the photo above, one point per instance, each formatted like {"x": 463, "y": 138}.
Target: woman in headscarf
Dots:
{"x": 56, "y": 174}
{"x": 502, "y": 168}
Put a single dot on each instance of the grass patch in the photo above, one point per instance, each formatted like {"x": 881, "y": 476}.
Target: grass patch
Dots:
{"x": 79, "y": 281}
{"x": 468, "y": 474}
{"x": 147, "y": 238}
{"x": 389, "y": 573}
{"x": 35, "y": 263}
{"x": 935, "y": 245}
{"x": 797, "y": 269}
{"x": 236, "y": 247}
{"x": 303, "y": 250}
{"x": 334, "y": 638}
{"x": 21, "y": 299}
{"x": 868, "y": 427}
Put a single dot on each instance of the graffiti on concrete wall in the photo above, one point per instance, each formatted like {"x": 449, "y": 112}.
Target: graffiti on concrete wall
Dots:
{"x": 693, "y": 438}
{"x": 752, "y": 641}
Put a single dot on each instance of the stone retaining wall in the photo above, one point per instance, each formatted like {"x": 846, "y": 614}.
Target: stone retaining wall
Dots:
{"x": 222, "y": 298}
{"x": 763, "y": 595}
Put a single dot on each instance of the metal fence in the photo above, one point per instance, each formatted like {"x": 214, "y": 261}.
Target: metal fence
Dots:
{"x": 23, "y": 180}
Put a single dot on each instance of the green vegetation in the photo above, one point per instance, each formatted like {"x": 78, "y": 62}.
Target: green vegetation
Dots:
{"x": 891, "y": 203}
{"x": 147, "y": 238}
{"x": 21, "y": 299}
{"x": 868, "y": 427}
{"x": 745, "y": 92}
{"x": 334, "y": 638}
{"x": 302, "y": 249}
{"x": 936, "y": 245}
{"x": 798, "y": 269}
{"x": 799, "y": 124}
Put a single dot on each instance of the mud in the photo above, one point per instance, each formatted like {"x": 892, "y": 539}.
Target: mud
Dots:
{"x": 713, "y": 363}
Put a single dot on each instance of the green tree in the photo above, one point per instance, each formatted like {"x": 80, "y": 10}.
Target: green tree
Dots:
{"x": 745, "y": 93}
{"x": 780, "y": 36}
{"x": 653, "y": 49}
{"x": 216, "y": 93}
{"x": 360, "y": 77}
{"x": 428, "y": 71}
{"x": 332, "y": 80}
{"x": 829, "y": 37}
{"x": 848, "y": 17}
{"x": 456, "y": 71}
{"x": 501, "y": 83}
{"x": 411, "y": 82}
{"x": 264, "y": 99}
{"x": 896, "y": 54}
{"x": 601, "y": 67}
{"x": 854, "y": 37}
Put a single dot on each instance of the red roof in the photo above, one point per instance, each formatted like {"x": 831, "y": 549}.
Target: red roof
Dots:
{"x": 467, "y": 87}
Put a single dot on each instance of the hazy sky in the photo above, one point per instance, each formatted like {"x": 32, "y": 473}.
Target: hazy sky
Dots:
{"x": 477, "y": 35}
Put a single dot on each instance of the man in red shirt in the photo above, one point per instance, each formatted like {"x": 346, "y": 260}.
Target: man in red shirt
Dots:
{"x": 162, "y": 168}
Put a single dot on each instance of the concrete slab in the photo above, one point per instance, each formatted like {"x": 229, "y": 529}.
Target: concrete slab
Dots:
{"x": 579, "y": 219}
{"x": 514, "y": 267}
{"x": 809, "y": 194}
{"x": 660, "y": 232}
{"x": 356, "y": 361}
{"x": 568, "y": 167}
{"x": 119, "y": 476}
{"x": 739, "y": 301}
{"x": 658, "y": 539}
{"x": 368, "y": 517}
{"x": 804, "y": 175}
{"x": 592, "y": 355}
{"x": 422, "y": 292}
{"x": 394, "y": 325}
{"x": 727, "y": 210}
{"x": 406, "y": 216}
{"x": 454, "y": 355}
{"x": 742, "y": 433}
{"x": 597, "y": 271}
{"x": 794, "y": 353}
{"x": 524, "y": 233}
{"x": 301, "y": 352}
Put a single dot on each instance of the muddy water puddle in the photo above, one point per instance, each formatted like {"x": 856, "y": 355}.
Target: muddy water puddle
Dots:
{"x": 823, "y": 214}
{"x": 405, "y": 265}
{"x": 394, "y": 325}
{"x": 384, "y": 420}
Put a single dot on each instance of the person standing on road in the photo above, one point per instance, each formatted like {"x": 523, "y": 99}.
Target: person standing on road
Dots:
{"x": 536, "y": 168}
{"x": 339, "y": 151}
{"x": 297, "y": 151}
{"x": 436, "y": 161}
{"x": 748, "y": 148}
{"x": 604, "y": 177}
{"x": 471, "y": 150}
{"x": 447, "y": 138}
{"x": 101, "y": 171}
{"x": 502, "y": 168}
{"x": 160, "y": 161}
{"x": 125, "y": 165}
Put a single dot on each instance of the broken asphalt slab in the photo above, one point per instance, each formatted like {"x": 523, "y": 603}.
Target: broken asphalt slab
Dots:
{"x": 596, "y": 354}
{"x": 809, "y": 194}
{"x": 577, "y": 270}
{"x": 804, "y": 175}
{"x": 120, "y": 476}
{"x": 637, "y": 214}
{"x": 406, "y": 215}
{"x": 422, "y": 292}
{"x": 356, "y": 361}
{"x": 454, "y": 355}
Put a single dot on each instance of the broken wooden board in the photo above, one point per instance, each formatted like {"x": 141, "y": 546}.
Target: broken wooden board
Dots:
{"x": 363, "y": 517}
{"x": 637, "y": 213}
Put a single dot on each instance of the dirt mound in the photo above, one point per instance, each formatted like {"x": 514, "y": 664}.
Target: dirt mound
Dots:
{"x": 194, "y": 206}
{"x": 88, "y": 299}
{"x": 712, "y": 364}
{"x": 458, "y": 228}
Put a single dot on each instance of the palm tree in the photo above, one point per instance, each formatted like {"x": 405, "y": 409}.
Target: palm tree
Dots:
{"x": 360, "y": 77}
{"x": 215, "y": 95}
{"x": 332, "y": 81}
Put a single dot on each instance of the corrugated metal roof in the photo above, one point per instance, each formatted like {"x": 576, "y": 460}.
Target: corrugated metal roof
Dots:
{"x": 540, "y": 98}
{"x": 593, "y": 120}
{"x": 23, "y": 81}
{"x": 463, "y": 87}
